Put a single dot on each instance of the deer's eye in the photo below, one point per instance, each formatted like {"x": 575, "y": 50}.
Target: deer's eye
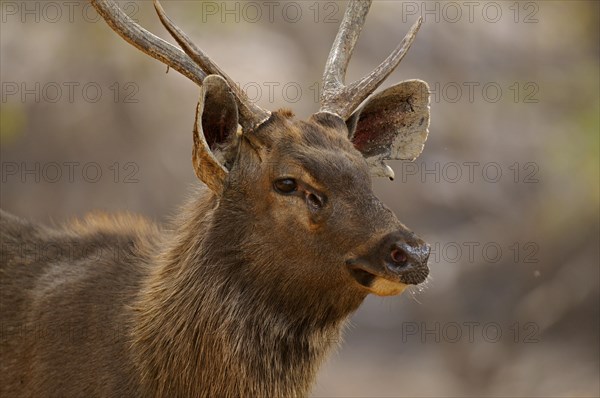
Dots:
{"x": 285, "y": 185}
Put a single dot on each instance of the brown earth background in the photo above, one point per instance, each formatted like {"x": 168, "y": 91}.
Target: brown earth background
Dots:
{"x": 506, "y": 189}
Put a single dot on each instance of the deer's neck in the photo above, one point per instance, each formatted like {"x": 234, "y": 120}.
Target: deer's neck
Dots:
{"x": 204, "y": 327}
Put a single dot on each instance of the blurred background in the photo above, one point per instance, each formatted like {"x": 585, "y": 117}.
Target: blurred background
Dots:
{"x": 506, "y": 190}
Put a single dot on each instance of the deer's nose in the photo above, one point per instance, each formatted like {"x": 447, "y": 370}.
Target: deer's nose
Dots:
{"x": 399, "y": 256}
{"x": 402, "y": 255}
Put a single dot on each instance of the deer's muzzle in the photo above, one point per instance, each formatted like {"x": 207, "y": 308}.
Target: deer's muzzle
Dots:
{"x": 397, "y": 260}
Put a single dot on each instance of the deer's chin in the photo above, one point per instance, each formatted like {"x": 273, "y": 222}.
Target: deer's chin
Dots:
{"x": 384, "y": 287}
{"x": 377, "y": 284}
{"x": 385, "y": 281}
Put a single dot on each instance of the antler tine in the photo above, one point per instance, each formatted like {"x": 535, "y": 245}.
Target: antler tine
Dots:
{"x": 146, "y": 42}
{"x": 251, "y": 115}
{"x": 191, "y": 62}
{"x": 186, "y": 44}
{"x": 364, "y": 87}
{"x": 343, "y": 45}
{"x": 343, "y": 100}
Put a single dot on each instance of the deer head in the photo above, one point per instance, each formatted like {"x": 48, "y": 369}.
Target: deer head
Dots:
{"x": 302, "y": 189}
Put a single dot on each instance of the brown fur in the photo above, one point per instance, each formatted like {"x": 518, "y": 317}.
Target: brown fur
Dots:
{"x": 243, "y": 295}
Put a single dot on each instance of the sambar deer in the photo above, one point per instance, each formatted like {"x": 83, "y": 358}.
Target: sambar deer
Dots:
{"x": 249, "y": 289}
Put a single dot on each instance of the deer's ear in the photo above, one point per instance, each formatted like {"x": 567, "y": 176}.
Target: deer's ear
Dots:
{"x": 392, "y": 124}
{"x": 216, "y": 121}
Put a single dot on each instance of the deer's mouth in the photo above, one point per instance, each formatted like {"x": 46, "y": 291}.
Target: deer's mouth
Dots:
{"x": 385, "y": 280}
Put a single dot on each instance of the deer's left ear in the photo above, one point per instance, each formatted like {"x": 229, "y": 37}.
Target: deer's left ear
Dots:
{"x": 392, "y": 124}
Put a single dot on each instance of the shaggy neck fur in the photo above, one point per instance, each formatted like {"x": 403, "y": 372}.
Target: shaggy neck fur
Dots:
{"x": 207, "y": 324}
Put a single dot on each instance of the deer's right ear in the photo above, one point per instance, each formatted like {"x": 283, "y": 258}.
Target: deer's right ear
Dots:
{"x": 392, "y": 124}
{"x": 216, "y": 121}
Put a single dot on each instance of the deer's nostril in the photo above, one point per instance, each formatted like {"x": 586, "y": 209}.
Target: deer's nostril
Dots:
{"x": 399, "y": 256}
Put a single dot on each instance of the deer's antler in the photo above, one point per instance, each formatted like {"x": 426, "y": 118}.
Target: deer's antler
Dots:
{"x": 191, "y": 62}
{"x": 343, "y": 99}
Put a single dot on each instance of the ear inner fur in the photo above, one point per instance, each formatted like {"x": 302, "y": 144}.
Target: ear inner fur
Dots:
{"x": 392, "y": 125}
{"x": 206, "y": 166}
